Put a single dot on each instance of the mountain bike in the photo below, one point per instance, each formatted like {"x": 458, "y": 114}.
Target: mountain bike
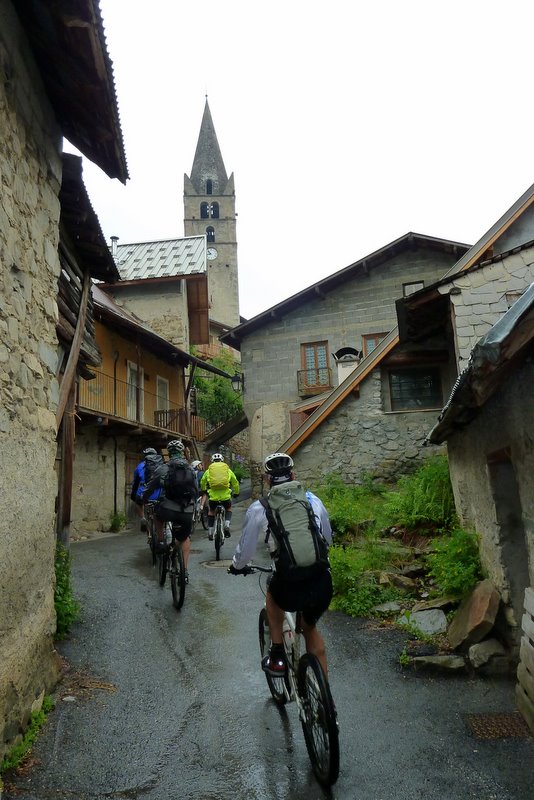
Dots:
{"x": 304, "y": 683}
{"x": 151, "y": 531}
{"x": 200, "y": 514}
{"x": 218, "y": 529}
{"x": 171, "y": 561}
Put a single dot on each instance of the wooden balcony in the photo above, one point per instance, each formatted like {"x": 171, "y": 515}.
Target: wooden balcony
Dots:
{"x": 107, "y": 397}
{"x": 314, "y": 381}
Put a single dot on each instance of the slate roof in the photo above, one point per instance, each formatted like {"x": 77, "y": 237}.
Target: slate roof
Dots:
{"x": 162, "y": 259}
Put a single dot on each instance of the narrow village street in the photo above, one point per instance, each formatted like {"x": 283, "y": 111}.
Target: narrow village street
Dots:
{"x": 159, "y": 704}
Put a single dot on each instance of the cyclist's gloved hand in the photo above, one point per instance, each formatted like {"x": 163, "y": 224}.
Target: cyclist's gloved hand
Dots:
{"x": 243, "y": 571}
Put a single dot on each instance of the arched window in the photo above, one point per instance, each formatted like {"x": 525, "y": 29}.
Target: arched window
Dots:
{"x": 215, "y": 210}
{"x": 210, "y": 233}
{"x": 209, "y": 186}
{"x": 204, "y": 210}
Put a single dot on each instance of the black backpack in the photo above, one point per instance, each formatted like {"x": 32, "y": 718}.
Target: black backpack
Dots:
{"x": 152, "y": 462}
{"x": 301, "y": 549}
{"x": 180, "y": 482}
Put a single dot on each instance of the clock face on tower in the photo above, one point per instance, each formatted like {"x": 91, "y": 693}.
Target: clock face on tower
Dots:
{"x": 211, "y": 253}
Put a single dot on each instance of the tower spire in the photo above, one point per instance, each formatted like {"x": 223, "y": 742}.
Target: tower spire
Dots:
{"x": 208, "y": 163}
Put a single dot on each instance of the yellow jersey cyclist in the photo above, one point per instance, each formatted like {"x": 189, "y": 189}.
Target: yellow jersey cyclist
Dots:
{"x": 219, "y": 483}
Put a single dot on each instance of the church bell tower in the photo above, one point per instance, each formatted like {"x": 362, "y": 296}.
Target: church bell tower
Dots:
{"x": 209, "y": 208}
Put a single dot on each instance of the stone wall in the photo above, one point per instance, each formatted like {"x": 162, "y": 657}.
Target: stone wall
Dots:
{"x": 358, "y": 439}
{"x": 30, "y": 171}
{"x": 162, "y": 307}
{"x": 499, "y": 441}
{"x": 483, "y": 295}
{"x": 99, "y": 480}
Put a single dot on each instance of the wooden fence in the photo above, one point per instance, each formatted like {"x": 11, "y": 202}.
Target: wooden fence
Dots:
{"x": 525, "y": 672}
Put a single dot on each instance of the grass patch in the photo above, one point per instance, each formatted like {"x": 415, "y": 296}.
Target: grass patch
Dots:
{"x": 18, "y": 753}
{"x": 454, "y": 564}
{"x": 67, "y": 608}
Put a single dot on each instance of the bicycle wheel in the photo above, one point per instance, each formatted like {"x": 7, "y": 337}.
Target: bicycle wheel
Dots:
{"x": 319, "y": 720}
{"x": 279, "y": 687}
{"x": 204, "y": 517}
{"x": 177, "y": 576}
{"x": 163, "y": 566}
{"x": 152, "y": 541}
{"x": 218, "y": 537}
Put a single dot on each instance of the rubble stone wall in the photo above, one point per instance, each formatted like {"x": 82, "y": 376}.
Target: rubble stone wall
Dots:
{"x": 30, "y": 172}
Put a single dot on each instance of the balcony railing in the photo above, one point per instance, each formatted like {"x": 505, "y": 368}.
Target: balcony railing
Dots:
{"x": 108, "y": 396}
{"x": 314, "y": 381}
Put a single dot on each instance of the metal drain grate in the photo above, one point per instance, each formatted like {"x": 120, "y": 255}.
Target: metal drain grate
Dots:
{"x": 498, "y": 726}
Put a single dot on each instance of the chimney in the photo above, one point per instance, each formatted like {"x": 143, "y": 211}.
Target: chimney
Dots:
{"x": 114, "y": 240}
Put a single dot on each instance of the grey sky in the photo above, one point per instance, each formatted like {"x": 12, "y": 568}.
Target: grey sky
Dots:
{"x": 346, "y": 124}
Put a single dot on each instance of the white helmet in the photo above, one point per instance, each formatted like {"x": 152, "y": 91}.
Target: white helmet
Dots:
{"x": 278, "y": 464}
{"x": 217, "y": 457}
{"x": 196, "y": 464}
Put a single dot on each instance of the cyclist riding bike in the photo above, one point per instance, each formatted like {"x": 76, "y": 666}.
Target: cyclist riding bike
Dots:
{"x": 152, "y": 459}
{"x": 219, "y": 482}
{"x": 176, "y": 502}
{"x": 311, "y": 596}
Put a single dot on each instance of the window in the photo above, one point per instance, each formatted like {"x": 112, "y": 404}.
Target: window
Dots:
{"x": 210, "y": 233}
{"x": 204, "y": 210}
{"x": 132, "y": 392}
{"x": 410, "y": 288}
{"x": 215, "y": 210}
{"x": 209, "y": 186}
{"x": 416, "y": 388}
{"x": 370, "y": 341}
{"x": 314, "y": 357}
{"x": 162, "y": 390}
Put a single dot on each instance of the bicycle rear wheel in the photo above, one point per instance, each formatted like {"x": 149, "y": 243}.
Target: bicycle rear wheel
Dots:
{"x": 177, "y": 577}
{"x": 163, "y": 566}
{"x": 319, "y": 720}
{"x": 204, "y": 516}
{"x": 152, "y": 540}
{"x": 218, "y": 537}
{"x": 279, "y": 687}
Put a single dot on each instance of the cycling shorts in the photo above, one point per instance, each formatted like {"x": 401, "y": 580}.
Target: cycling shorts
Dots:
{"x": 311, "y": 596}
{"x": 226, "y": 504}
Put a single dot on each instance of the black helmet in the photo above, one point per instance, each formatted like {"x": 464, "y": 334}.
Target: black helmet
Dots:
{"x": 278, "y": 464}
{"x": 149, "y": 451}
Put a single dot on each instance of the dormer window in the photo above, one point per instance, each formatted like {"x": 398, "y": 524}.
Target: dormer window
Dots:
{"x": 210, "y": 234}
{"x": 209, "y": 186}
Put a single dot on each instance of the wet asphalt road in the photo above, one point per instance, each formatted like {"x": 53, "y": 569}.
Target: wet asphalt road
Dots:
{"x": 163, "y": 704}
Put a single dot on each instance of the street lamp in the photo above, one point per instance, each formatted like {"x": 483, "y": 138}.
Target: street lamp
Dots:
{"x": 238, "y": 382}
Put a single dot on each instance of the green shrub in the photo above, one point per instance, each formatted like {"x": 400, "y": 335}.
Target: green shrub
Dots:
{"x": 349, "y": 506}
{"x": 239, "y": 470}
{"x": 117, "y": 521}
{"x": 455, "y": 563}
{"x": 17, "y": 753}
{"x": 424, "y": 499}
{"x": 67, "y": 608}
{"x": 356, "y": 588}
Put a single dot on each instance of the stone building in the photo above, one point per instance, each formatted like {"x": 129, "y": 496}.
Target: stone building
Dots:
{"x": 300, "y": 358}
{"x": 57, "y": 80}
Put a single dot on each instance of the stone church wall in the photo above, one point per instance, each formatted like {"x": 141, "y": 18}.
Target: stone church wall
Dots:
{"x": 30, "y": 168}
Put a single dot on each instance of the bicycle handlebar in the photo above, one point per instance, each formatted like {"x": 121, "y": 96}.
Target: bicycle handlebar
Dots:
{"x": 250, "y": 569}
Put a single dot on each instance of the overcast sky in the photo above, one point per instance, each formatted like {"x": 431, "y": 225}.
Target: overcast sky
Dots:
{"x": 346, "y": 124}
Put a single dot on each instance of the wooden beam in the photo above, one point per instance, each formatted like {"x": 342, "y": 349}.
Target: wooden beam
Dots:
{"x": 70, "y": 370}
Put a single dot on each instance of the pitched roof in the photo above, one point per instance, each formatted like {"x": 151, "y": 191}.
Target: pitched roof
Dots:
{"x": 469, "y": 259}
{"x": 106, "y": 308}
{"x": 165, "y": 258}
{"x": 371, "y": 261}
{"x": 80, "y": 222}
{"x": 69, "y": 45}
{"x": 490, "y": 364}
{"x": 208, "y": 162}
